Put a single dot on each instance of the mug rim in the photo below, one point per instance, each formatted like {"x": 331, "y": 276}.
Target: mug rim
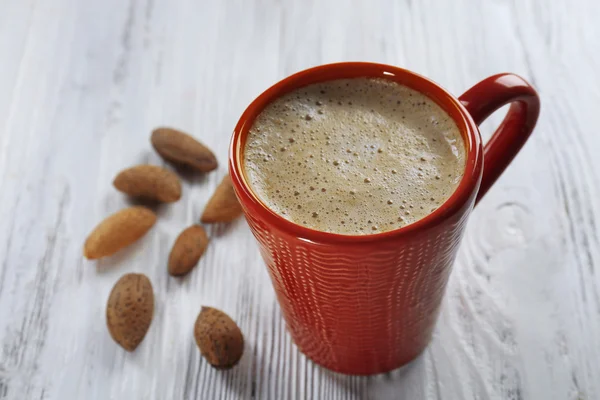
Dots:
{"x": 463, "y": 195}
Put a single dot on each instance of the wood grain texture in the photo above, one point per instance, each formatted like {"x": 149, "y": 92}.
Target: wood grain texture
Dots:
{"x": 83, "y": 83}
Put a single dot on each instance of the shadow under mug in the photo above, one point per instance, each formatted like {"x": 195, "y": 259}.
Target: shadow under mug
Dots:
{"x": 368, "y": 304}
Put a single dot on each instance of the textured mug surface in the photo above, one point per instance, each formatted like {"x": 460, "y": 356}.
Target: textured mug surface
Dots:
{"x": 368, "y": 304}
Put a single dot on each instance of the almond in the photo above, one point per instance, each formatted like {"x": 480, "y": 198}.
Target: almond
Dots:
{"x": 129, "y": 310}
{"x": 187, "y": 250}
{"x": 149, "y": 182}
{"x": 117, "y": 231}
{"x": 223, "y": 206}
{"x": 219, "y": 338}
{"x": 181, "y": 149}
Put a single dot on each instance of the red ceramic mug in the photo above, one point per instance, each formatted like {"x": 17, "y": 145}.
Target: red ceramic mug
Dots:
{"x": 368, "y": 304}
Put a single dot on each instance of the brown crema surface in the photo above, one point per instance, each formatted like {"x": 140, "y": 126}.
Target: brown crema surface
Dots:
{"x": 355, "y": 156}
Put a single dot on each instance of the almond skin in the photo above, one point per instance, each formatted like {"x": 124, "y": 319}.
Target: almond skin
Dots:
{"x": 129, "y": 310}
{"x": 219, "y": 338}
{"x": 149, "y": 182}
{"x": 187, "y": 250}
{"x": 181, "y": 149}
{"x": 118, "y": 231}
{"x": 223, "y": 206}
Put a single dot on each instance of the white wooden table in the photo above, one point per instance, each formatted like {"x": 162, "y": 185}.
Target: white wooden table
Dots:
{"x": 82, "y": 83}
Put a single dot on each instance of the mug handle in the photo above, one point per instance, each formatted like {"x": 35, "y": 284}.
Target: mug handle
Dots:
{"x": 485, "y": 98}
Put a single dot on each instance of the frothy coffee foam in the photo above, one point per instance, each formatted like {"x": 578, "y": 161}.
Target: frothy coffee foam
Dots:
{"x": 354, "y": 156}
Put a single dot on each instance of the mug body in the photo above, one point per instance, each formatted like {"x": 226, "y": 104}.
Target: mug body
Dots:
{"x": 360, "y": 304}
